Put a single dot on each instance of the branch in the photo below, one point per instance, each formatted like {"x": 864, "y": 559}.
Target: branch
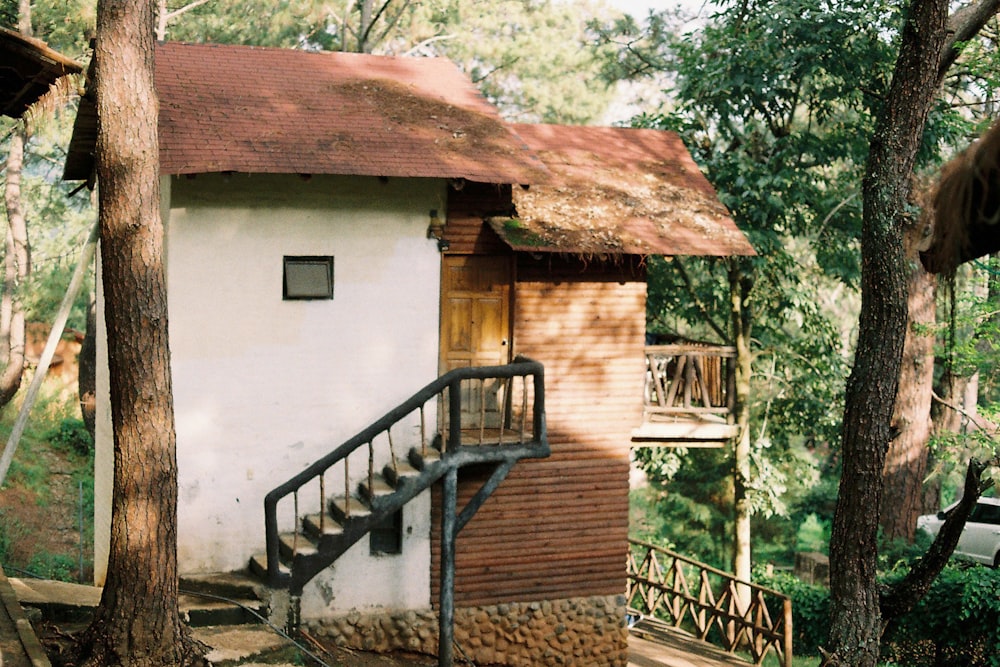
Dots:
{"x": 417, "y": 48}
{"x": 963, "y": 25}
{"x": 979, "y": 422}
{"x": 390, "y": 23}
{"x": 186, "y": 8}
{"x": 699, "y": 304}
{"x": 906, "y": 593}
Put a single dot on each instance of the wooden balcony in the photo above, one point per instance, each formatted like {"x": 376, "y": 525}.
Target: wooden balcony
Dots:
{"x": 688, "y": 400}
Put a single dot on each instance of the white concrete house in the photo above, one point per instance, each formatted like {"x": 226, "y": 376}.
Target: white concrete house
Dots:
{"x": 265, "y": 381}
{"x": 338, "y": 235}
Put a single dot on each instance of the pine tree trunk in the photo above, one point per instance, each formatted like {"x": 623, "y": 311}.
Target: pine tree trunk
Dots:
{"x": 740, "y": 285}
{"x": 906, "y": 461}
{"x": 17, "y": 267}
{"x": 855, "y": 616}
{"x": 137, "y": 622}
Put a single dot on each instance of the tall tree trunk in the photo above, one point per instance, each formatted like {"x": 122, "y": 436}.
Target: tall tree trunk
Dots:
{"x": 137, "y": 622}
{"x": 855, "y": 616}
{"x": 17, "y": 257}
{"x": 906, "y": 460}
{"x": 17, "y": 267}
{"x": 740, "y": 285}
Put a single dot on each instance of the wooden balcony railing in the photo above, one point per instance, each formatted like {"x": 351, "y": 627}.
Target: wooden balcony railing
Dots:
{"x": 690, "y": 379}
{"x": 689, "y": 393}
{"x": 710, "y": 603}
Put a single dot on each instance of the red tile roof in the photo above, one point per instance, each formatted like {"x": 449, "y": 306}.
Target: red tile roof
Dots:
{"x": 264, "y": 110}
{"x": 618, "y": 191}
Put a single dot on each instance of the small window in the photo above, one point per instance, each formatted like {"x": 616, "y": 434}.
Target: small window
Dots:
{"x": 386, "y": 538}
{"x": 308, "y": 278}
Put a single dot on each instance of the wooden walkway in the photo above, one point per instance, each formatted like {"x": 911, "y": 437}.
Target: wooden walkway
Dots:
{"x": 18, "y": 645}
{"x": 666, "y": 647}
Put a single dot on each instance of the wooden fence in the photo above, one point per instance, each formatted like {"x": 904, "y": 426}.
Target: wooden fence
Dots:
{"x": 710, "y": 603}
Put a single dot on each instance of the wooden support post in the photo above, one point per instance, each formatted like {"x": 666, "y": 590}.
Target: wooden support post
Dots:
{"x": 446, "y": 603}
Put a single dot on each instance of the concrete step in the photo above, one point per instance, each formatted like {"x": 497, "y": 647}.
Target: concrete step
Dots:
{"x": 221, "y": 598}
{"x": 317, "y": 526}
{"x": 258, "y": 567}
{"x": 421, "y": 458}
{"x": 342, "y": 512}
{"x": 226, "y": 584}
{"x": 379, "y": 489}
{"x": 201, "y": 610}
{"x": 400, "y": 473}
{"x": 290, "y": 544}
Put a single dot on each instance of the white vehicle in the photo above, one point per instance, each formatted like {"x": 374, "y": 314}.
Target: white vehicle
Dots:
{"x": 980, "y": 540}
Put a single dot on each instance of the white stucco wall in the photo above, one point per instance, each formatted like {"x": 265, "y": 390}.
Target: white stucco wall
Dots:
{"x": 262, "y": 386}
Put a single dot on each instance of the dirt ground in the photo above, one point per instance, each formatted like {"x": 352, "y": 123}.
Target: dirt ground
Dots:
{"x": 246, "y": 646}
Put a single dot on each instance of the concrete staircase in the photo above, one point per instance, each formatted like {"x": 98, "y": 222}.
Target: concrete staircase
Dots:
{"x": 295, "y": 555}
{"x": 321, "y": 538}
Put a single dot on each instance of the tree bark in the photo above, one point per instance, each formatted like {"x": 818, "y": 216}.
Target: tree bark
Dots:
{"x": 906, "y": 460}
{"x": 87, "y": 370}
{"x": 17, "y": 252}
{"x": 855, "y": 616}
{"x": 137, "y": 622}
{"x": 17, "y": 267}
{"x": 740, "y": 285}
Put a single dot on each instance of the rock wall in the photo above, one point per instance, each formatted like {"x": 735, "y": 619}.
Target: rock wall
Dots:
{"x": 581, "y": 632}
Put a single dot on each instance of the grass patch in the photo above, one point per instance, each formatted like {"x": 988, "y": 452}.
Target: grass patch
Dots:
{"x": 49, "y": 485}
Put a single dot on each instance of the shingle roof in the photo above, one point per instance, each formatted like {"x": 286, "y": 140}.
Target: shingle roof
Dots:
{"x": 237, "y": 108}
{"x": 265, "y": 110}
{"x": 618, "y": 191}
{"x": 29, "y": 69}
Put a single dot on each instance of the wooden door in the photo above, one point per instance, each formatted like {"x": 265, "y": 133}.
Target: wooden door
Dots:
{"x": 475, "y": 327}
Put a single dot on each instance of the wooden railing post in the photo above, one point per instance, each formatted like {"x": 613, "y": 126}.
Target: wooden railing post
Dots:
{"x": 788, "y": 628}
{"x": 738, "y": 609}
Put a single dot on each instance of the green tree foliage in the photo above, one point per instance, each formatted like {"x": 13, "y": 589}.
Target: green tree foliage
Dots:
{"x": 532, "y": 58}
{"x": 956, "y": 624}
{"x": 286, "y": 23}
{"x": 65, "y": 25}
{"x": 776, "y": 101}
{"x": 59, "y": 223}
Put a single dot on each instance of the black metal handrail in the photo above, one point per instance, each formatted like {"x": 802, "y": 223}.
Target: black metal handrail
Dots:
{"x": 449, "y": 383}
{"x": 684, "y": 593}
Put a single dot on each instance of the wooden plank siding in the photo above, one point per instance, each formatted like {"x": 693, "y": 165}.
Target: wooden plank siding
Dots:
{"x": 467, "y": 208}
{"x": 558, "y": 527}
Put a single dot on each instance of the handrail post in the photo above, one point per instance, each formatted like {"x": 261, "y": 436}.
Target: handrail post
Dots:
{"x": 454, "y": 415}
{"x": 538, "y": 414}
{"x": 271, "y": 539}
{"x": 730, "y": 388}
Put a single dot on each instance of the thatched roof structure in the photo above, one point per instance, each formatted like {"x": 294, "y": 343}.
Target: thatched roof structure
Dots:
{"x": 617, "y": 191}
{"x": 28, "y": 69}
{"x": 966, "y": 207}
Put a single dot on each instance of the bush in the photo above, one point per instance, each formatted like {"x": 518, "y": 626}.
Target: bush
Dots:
{"x": 957, "y": 622}
{"x": 71, "y": 435}
{"x": 810, "y": 611}
{"x": 59, "y": 567}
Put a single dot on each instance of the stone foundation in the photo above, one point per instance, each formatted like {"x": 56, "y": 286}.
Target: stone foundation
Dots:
{"x": 581, "y": 632}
